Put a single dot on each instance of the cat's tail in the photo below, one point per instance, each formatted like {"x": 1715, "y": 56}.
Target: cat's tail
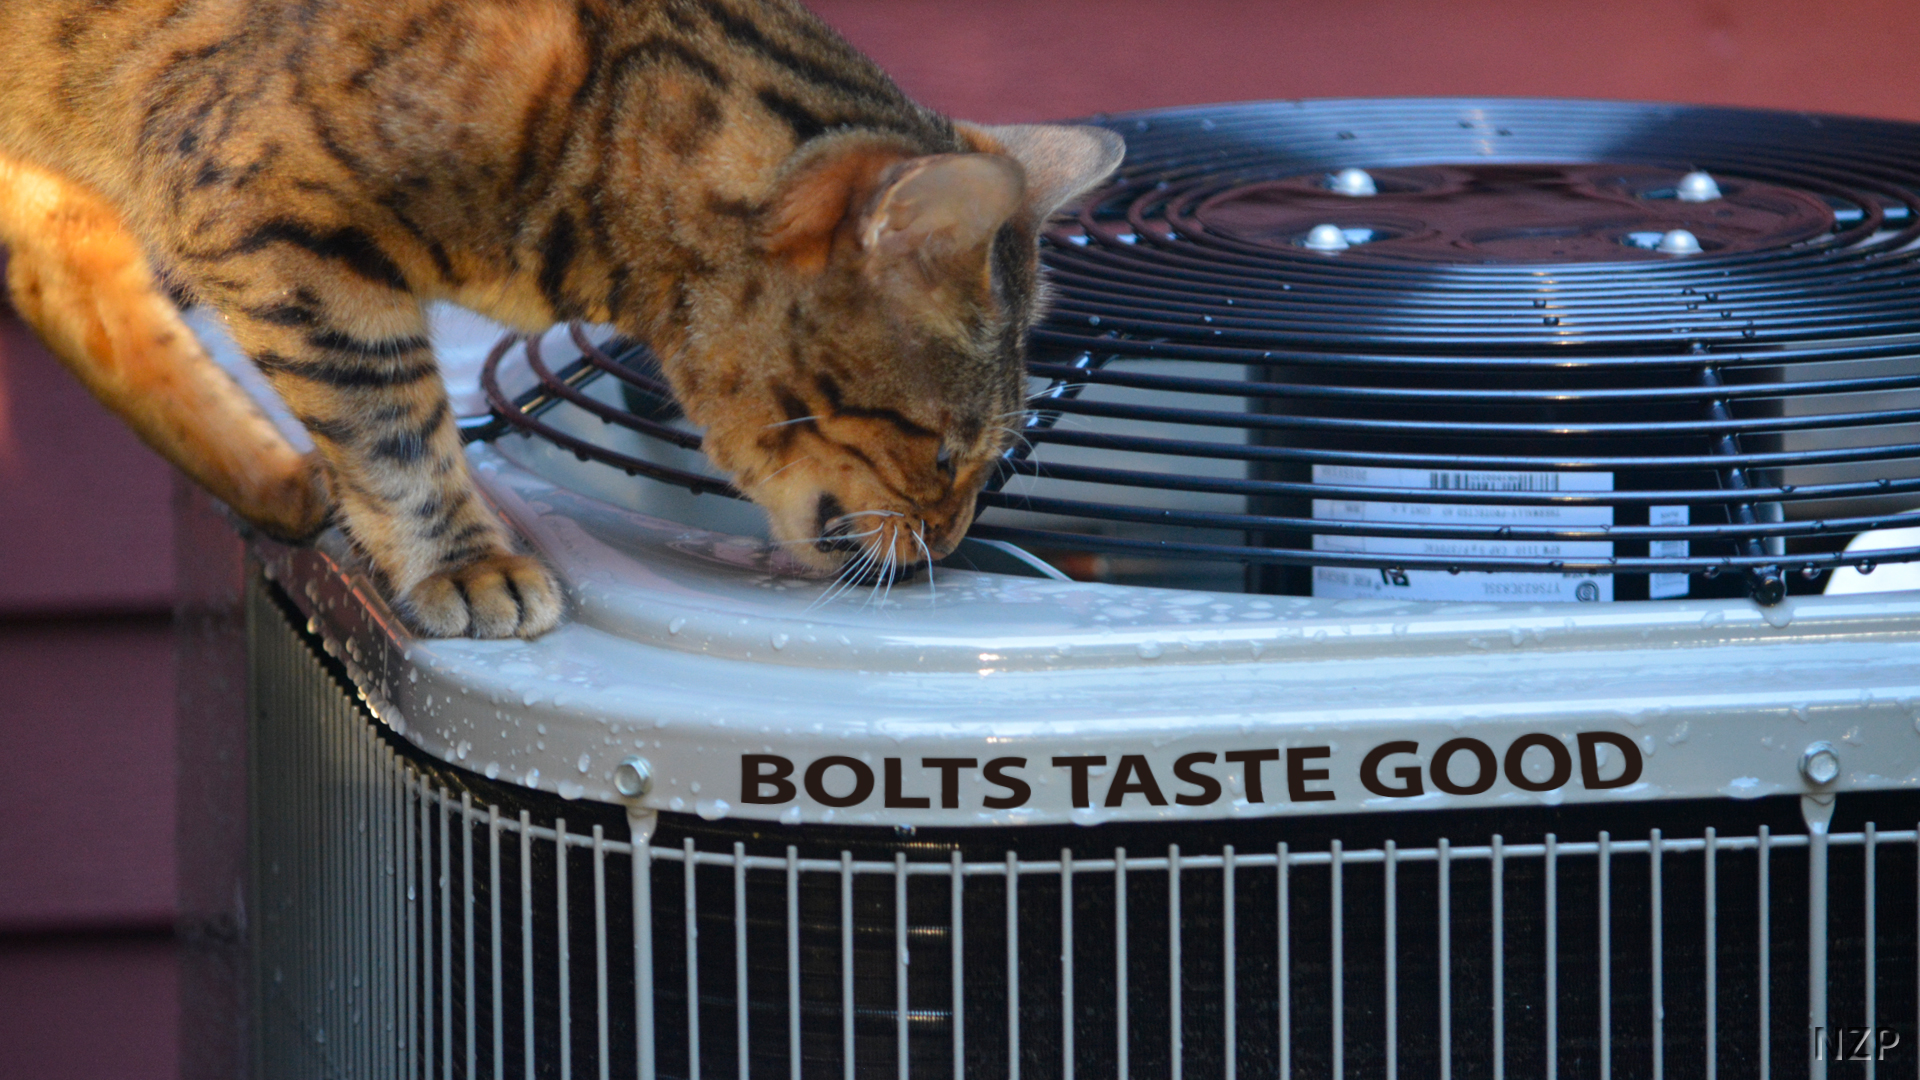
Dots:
{"x": 84, "y": 284}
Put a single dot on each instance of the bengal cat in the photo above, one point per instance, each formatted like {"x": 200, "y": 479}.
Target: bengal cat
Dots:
{"x": 837, "y": 281}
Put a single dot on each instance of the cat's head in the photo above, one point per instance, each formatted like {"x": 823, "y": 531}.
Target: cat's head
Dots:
{"x": 871, "y": 369}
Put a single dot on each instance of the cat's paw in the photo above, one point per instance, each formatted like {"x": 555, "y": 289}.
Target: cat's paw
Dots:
{"x": 499, "y": 596}
{"x": 293, "y": 507}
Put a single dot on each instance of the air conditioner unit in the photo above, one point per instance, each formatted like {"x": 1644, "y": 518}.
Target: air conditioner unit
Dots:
{"x": 1424, "y": 634}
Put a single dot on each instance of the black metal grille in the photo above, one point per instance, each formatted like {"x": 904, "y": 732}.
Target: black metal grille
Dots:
{"x": 1501, "y": 312}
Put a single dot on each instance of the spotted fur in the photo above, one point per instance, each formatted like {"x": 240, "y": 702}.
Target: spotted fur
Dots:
{"x": 837, "y": 281}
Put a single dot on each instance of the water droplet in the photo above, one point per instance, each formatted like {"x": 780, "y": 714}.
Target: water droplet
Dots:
{"x": 584, "y": 763}
{"x": 1866, "y": 566}
{"x": 493, "y": 770}
{"x": 1093, "y": 320}
{"x": 533, "y": 778}
{"x": 1326, "y": 237}
{"x": 1453, "y": 570}
{"x": 780, "y": 641}
{"x": 570, "y": 790}
{"x": 791, "y": 815}
{"x": 1149, "y": 650}
{"x": 1551, "y": 320}
{"x": 713, "y": 809}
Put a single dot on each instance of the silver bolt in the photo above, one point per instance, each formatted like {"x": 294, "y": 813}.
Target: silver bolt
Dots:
{"x": 1696, "y": 187}
{"x": 1327, "y": 238}
{"x": 1679, "y": 242}
{"x": 1354, "y": 182}
{"x": 633, "y": 777}
{"x": 1820, "y": 764}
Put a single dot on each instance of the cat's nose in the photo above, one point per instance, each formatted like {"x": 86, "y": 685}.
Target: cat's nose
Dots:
{"x": 943, "y": 537}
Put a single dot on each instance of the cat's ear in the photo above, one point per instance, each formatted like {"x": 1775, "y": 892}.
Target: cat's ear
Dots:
{"x": 820, "y": 195}
{"x": 1061, "y": 162}
{"x": 940, "y": 212}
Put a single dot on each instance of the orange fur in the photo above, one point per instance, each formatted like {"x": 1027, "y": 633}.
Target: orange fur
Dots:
{"x": 836, "y": 280}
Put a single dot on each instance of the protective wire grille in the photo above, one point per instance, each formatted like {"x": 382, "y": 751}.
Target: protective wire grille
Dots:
{"x": 1497, "y": 333}
{"x": 416, "y": 921}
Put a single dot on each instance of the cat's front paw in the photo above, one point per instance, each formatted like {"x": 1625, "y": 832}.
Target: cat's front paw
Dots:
{"x": 499, "y": 596}
{"x": 292, "y": 506}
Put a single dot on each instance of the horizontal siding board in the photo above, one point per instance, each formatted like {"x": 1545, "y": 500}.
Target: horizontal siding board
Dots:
{"x": 85, "y": 523}
{"x": 87, "y": 735}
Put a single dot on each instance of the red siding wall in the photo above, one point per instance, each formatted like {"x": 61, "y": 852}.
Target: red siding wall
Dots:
{"x": 1001, "y": 60}
{"x": 88, "y": 982}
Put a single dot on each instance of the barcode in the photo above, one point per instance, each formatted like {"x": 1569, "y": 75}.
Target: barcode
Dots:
{"x": 1473, "y": 481}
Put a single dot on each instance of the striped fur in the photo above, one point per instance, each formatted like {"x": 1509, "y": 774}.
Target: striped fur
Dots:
{"x": 837, "y": 280}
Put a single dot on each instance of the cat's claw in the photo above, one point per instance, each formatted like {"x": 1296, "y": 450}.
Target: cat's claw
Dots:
{"x": 498, "y": 596}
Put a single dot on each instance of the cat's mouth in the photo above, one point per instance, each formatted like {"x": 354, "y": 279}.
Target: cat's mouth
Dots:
{"x": 878, "y": 547}
{"x": 865, "y": 547}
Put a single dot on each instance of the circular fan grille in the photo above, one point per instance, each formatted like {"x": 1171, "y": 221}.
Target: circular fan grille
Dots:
{"x": 1526, "y": 340}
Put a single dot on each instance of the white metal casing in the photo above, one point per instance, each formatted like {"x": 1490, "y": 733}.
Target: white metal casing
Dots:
{"x": 685, "y": 648}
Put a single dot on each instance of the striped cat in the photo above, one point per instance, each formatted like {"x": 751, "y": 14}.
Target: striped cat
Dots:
{"x": 837, "y": 281}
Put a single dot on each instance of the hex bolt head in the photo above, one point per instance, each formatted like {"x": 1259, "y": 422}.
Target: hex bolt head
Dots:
{"x": 1820, "y": 765}
{"x": 1697, "y": 187}
{"x": 1355, "y": 182}
{"x": 633, "y": 777}
{"x": 1326, "y": 238}
{"x": 1679, "y": 242}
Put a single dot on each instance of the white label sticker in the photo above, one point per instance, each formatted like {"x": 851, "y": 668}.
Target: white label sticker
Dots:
{"x": 1666, "y": 586}
{"x": 1353, "y": 583}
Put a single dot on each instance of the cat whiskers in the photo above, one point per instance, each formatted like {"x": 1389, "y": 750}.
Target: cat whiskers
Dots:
{"x": 783, "y": 468}
{"x": 884, "y": 581}
{"x": 849, "y": 575}
{"x": 830, "y": 537}
{"x": 1018, "y": 436}
{"x": 919, "y": 537}
{"x": 879, "y": 561}
{"x": 856, "y": 569}
{"x": 790, "y": 423}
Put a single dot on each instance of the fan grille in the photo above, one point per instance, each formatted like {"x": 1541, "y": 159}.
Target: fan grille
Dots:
{"x": 1501, "y": 371}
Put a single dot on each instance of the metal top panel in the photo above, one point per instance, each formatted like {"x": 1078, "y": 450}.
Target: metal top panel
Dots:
{"x": 687, "y": 649}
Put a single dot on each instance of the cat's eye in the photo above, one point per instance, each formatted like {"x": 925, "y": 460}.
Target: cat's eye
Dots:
{"x": 944, "y": 461}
